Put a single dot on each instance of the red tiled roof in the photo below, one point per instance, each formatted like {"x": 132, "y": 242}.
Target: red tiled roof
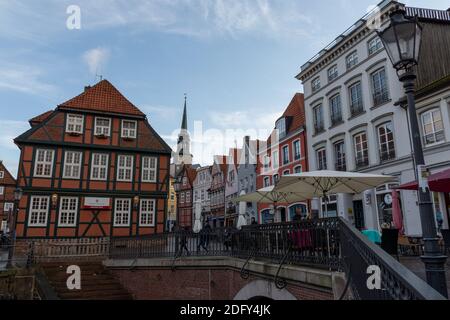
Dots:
{"x": 7, "y": 179}
{"x": 40, "y": 118}
{"x": 191, "y": 174}
{"x": 296, "y": 110}
{"x": 103, "y": 97}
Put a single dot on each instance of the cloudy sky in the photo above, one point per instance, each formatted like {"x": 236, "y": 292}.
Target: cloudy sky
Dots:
{"x": 236, "y": 59}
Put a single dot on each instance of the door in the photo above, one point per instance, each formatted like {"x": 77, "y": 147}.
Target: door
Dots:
{"x": 283, "y": 214}
{"x": 358, "y": 209}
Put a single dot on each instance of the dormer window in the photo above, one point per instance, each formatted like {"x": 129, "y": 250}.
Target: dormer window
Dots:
{"x": 74, "y": 123}
{"x": 129, "y": 129}
{"x": 281, "y": 127}
{"x": 102, "y": 127}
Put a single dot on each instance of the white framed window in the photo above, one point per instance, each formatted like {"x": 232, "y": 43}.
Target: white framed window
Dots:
{"x": 321, "y": 155}
{"x": 147, "y": 213}
{"x": 298, "y": 169}
{"x": 39, "y": 206}
{"x": 74, "y": 123}
{"x": 432, "y": 126}
{"x": 8, "y": 206}
{"x": 361, "y": 150}
{"x": 99, "y": 166}
{"x": 129, "y": 129}
{"x": 266, "y": 182}
{"x": 125, "y": 168}
{"x": 275, "y": 160}
{"x": 380, "y": 90}
{"x": 286, "y": 158}
{"x": 281, "y": 127}
{"x": 43, "y": 165}
{"x": 102, "y": 126}
{"x": 315, "y": 84}
{"x": 335, "y": 109}
{"x": 333, "y": 73}
{"x": 68, "y": 209}
{"x": 352, "y": 59}
{"x": 2, "y": 174}
{"x": 319, "y": 125}
{"x": 286, "y": 172}
{"x": 149, "y": 165}
{"x": 386, "y": 141}
{"x": 188, "y": 196}
{"x": 184, "y": 181}
{"x": 297, "y": 150}
{"x": 122, "y": 211}
{"x": 72, "y": 165}
{"x": 374, "y": 45}
{"x": 2, "y": 190}
{"x": 182, "y": 197}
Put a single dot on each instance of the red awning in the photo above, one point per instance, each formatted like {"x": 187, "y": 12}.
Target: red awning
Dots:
{"x": 438, "y": 182}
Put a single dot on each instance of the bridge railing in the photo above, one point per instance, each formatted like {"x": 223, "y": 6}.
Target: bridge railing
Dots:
{"x": 314, "y": 242}
{"x": 362, "y": 258}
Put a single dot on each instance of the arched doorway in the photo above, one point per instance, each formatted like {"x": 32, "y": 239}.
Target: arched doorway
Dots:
{"x": 263, "y": 290}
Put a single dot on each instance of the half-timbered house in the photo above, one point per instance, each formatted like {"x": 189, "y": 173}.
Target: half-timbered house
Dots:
{"x": 185, "y": 194}
{"x": 92, "y": 167}
{"x": 7, "y": 186}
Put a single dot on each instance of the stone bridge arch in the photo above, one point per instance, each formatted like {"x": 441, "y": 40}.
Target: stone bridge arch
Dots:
{"x": 263, "y": 289}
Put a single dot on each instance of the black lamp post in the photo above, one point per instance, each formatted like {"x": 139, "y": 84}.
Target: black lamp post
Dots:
{"x": 402, "y": 40}
{"x": 12, "y": 224}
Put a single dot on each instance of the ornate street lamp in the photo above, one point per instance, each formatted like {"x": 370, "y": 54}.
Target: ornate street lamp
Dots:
{"x": 12, "y": 224}
{"x": 402, "y": 40}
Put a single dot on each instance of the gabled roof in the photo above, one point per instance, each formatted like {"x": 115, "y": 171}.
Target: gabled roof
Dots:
{"x": 102, "y": 97}
{"x": 40, "y": 118}
{"x": 295, "y": 115}
{"x": 7, "y": 179}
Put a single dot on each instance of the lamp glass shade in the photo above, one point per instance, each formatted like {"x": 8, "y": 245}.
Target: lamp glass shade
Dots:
{"x": 402, "y": 40}
{"x": 18, "y": 194}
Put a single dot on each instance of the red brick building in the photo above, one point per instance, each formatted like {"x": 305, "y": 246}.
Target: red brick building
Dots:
{"x": 93, "y": 167}
{"x": 285, "y": 153}
{"x": 185, "y": 193}
{"x": 7, "y": 187}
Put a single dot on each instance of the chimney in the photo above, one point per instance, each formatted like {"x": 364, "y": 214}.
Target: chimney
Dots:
{"x": 86, "y": 88}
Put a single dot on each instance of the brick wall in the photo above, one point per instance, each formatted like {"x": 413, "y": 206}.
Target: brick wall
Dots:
{"x": 206, "y": 284}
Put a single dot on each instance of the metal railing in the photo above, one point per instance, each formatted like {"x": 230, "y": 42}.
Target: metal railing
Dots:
{"x": 331, "y": 244}
{"x": 386, "y": 155}
{"x": 396, "y": 281}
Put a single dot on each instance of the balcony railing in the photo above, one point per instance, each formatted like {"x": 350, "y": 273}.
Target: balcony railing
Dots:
{"x": 380, "y": 97}
{"x": 340, "y": 165}
{"x": 362, "y": 162}
{"x": 336, "y": 118}
{"x": 356, "y": 108}
{"x": 386, "y": 155}
{"x": 318, "y": 128}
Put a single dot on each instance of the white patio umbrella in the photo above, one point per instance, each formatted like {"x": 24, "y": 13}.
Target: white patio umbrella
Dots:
{"x": 270, "y": 195}
{"x": 323, "y": 183}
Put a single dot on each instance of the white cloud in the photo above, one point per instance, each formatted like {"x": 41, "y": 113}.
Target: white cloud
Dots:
{"x": 24, "y": 78}
{"x": 248, "y": 119}
{"x": 10, "y": 129}
{"x": 96, "y": 59}
{"x": 162, "y": 112}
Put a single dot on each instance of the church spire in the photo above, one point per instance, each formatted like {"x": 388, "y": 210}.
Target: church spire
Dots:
{"x": 184, "y": 121}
